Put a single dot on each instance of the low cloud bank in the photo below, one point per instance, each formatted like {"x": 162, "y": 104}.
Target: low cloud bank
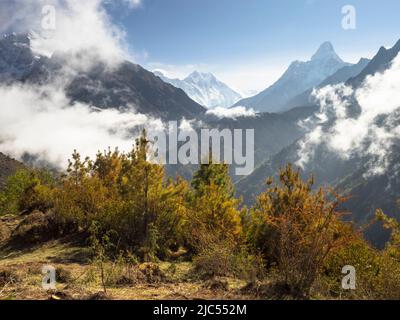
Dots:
{"x": 360, "y": 122}
{"x": 71, "y": 26}
{"x": 233, "y": 113}
{"x": 41, "y": 122}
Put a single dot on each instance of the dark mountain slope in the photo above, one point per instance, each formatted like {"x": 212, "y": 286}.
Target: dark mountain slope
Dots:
{"x": 369, "y": 193}
{"x": 326, "y": 167}
{"x": 272, "y": 131}
{"x": 130, "y": 85}
{"x": 380, "y": 62}
{"x": 126, "y": 85}
{"x": 8, "y": 167}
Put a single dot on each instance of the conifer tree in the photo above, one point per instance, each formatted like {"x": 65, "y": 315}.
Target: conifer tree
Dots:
{"x": 212, "y": 173}
{"x": 213, "y": 211}
{"x": 296, "y": 228}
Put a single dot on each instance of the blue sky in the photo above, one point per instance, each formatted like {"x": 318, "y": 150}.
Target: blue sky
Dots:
{"x": 249, "y": 43}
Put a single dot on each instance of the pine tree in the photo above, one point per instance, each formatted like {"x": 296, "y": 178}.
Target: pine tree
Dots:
{"x": 217, "y": 174}
{"x": 296, "y": 228}
{"x": 213, "y": 213}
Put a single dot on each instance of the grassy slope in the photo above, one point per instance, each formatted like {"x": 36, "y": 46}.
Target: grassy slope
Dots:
{"x": 26, "y": 264}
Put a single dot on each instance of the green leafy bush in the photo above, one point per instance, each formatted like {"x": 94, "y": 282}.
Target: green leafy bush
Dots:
{"x": 27, "y": 190}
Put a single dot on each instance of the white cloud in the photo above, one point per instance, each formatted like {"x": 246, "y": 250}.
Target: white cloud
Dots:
{"x": 79, "y": 25}
{"x": 372, "y": 131}
{"x": 233, "y": 113}
{"x": 40, "y": 121}
{"x": 176, "y": 71}
{"x": 133, "y": 3}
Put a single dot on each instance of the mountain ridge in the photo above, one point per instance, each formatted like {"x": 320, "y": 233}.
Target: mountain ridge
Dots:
{"x": 126, "y": 85}
{"x": 340, "y": 76}
{"x": 299, "y": 77}
{"x": 205, "y": 89}
{"x": 378, "y": 63}
{"x": 349, "y": 176}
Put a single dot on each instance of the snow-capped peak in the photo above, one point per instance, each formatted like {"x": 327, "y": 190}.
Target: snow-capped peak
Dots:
{"x": 205, "y": 89}
{"x": 201, "y": 77}
{"x": 325, "y": 52}
{"x": 298, "y": 78}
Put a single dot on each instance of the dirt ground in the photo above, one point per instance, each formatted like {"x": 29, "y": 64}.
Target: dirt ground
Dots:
{"x": 21, "y": 278}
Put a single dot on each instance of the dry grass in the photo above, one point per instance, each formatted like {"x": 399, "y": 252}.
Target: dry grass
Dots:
{"x": 84, "y": 281}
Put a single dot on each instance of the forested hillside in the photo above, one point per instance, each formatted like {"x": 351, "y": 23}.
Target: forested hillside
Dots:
{"x": 121, "y": 223}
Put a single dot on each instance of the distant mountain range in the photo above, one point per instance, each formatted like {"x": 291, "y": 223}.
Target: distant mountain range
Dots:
{"x": 205, "y": 89}
{"x": 325, "y": 165}
{"x": 298, "y": 78}
{"x": 368, "y": 193}
{"x": 128, "y": 85}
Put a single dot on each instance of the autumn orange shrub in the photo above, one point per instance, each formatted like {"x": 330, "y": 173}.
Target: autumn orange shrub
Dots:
{"x": 296, "y": 228}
